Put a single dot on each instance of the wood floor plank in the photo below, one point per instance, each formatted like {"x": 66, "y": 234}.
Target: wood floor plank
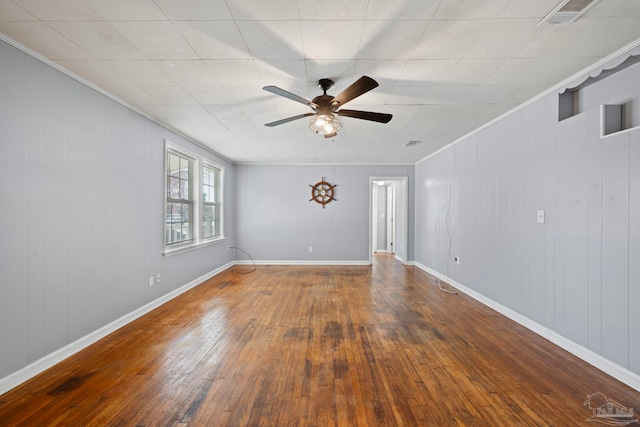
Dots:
{"x": 316, "y": 346}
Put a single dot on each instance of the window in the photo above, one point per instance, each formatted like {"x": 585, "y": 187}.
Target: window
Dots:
{"x": 193, "y": 207}
{"x": 179, "y": 215}
{"x": 210, "y": 201}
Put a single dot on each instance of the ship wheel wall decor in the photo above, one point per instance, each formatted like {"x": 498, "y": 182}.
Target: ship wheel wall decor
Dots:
{"x": 322, "y": 192}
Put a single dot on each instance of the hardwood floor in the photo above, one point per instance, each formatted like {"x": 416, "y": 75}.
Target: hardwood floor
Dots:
{"x": 316, "y": 346}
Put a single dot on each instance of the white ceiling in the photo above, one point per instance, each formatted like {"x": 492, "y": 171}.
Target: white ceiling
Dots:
{"x": 445, "y": 67}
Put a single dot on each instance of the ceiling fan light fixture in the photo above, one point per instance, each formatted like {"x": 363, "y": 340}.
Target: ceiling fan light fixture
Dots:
{"x": 325, "y": 124}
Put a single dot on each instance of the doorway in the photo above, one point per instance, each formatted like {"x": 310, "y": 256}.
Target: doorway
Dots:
{"x": 388, "y": 197}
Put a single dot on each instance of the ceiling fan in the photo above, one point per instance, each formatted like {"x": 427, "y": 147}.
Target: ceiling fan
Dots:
{"x": 325, "y": 107}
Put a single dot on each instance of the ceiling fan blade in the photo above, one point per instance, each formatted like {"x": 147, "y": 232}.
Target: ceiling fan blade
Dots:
{"x": 288, "y": 119}
{"x": 292, "y": 96}
{"x": 361, "y": 86}
{"x": 366, "y": 115}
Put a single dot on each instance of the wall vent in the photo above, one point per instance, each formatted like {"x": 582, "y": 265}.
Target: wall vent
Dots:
{"x": 568, "y": 11}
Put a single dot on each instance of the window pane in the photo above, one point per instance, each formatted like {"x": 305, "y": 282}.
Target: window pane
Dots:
{"x": 173, "y": 188}
{"x": 184, "y": 190}
{"x": 174, "y": 165}
{"x": 184, "y": 168}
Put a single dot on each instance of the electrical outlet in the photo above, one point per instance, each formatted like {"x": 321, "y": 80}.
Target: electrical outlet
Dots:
{"x": 158, "y": 278}
{"x": 150, "y": 281}
{"x": 310, "y": 248}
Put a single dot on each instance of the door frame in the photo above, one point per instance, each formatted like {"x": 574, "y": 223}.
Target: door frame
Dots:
{"x": 402, "y": 212}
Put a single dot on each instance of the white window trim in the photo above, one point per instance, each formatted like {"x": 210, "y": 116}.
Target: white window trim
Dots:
{"x": 220, "y": 203}
{"x": 197, "y": 241}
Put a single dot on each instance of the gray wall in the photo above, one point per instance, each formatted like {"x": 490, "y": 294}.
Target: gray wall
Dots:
{"x": 577, "y": 274}
{"x": 277, "y": 222}
{"x": 82, "y": 211}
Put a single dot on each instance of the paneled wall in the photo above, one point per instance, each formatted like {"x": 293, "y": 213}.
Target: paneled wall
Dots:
{"x": 277, "y": 222}
{"x": 578, "y": 273}
{"x": 81, "y": 211}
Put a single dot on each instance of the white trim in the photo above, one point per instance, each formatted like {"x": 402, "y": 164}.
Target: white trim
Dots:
{"x": 618, "y": 372}
{"x": 187, "y": 248}
{"x": 15, "y": 379}
{"x": 559, "y": 86}
{"x": 302, "y": 262}
{"x": 101, "y": 91}
{"x": 322, "y": 164}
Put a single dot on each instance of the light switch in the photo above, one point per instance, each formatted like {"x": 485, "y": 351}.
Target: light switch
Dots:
{"x": 540, "y": 217}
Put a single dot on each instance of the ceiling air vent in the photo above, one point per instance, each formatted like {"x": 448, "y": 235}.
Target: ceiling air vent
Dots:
{"x": 568, "y": 11}
{"x": 412, "y": 143}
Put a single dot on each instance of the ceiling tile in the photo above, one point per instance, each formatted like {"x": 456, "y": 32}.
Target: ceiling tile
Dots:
{"x": 235, "y": 72}
{"x": 539, "y": 71}
{"x": 248, "y": 95}
{"x": 332, "y": 10}
{"x": 444, "y": 67}
{"x": 197, "y": 10}
{"x": 282, "y": 72}
{"x": 475, "y": 70}
{"x": 385, "y": 72}
{"x": 43, "y": 39}
{"x": 340, "y": 71}
{"x": 426, "y": 71}
{"x": 214, "y": 39}
{"x": 157, "y": 111}
{"x": 142, "y": 73}
{"x": 274, "y": 10}
{"x": 390, "y": 39}
{"x": 156, "y": 39}
{"x": 132, "y": 95}
{"x": 209, "y": 94}
{"x": 507, "y": 38}
{"x": 529, "y": 9}
{"x": 450, "y": 39}
{"x": 272, "y": 39}
{"x": 192, "y": 112}
{"x": 127, "y": 10}
{"x": 170, "y": 95}
{"x": 99, "y": 38}
{"x": 97, "y": 72}
{"x": 401, "y": 9}
{"x": 9, "y": 11}
{"x": 471, "y": 9}
{"x": 586, "y": 37}
{"x": 409, "y": 95}
{"x": 620, "y": 8}
{"x": 58, "y": 10}
{"x": 188, "y": 73}
{"x": 332, "y": 39}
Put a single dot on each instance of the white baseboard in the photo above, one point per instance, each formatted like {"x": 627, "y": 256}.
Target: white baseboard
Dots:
{"x": 51, "y": 359}
{"x": 302, "y": 262}
{"x": 618, "y": 372}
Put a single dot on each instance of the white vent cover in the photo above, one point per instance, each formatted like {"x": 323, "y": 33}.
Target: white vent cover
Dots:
{"x": 568, "y": 11}
{"x": 412, "y": 143}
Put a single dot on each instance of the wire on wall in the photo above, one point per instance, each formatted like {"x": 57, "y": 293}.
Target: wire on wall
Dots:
{"x": 245, "y": 252}
{"x": 450, "y": 235}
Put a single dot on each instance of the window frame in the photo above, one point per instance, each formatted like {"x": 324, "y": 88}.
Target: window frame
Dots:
{"x": 217, "y": 203}
{"x": 196, "y": 187}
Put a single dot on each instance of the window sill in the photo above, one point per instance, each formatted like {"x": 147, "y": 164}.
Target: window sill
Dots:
{"x": 190, "y": 247}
